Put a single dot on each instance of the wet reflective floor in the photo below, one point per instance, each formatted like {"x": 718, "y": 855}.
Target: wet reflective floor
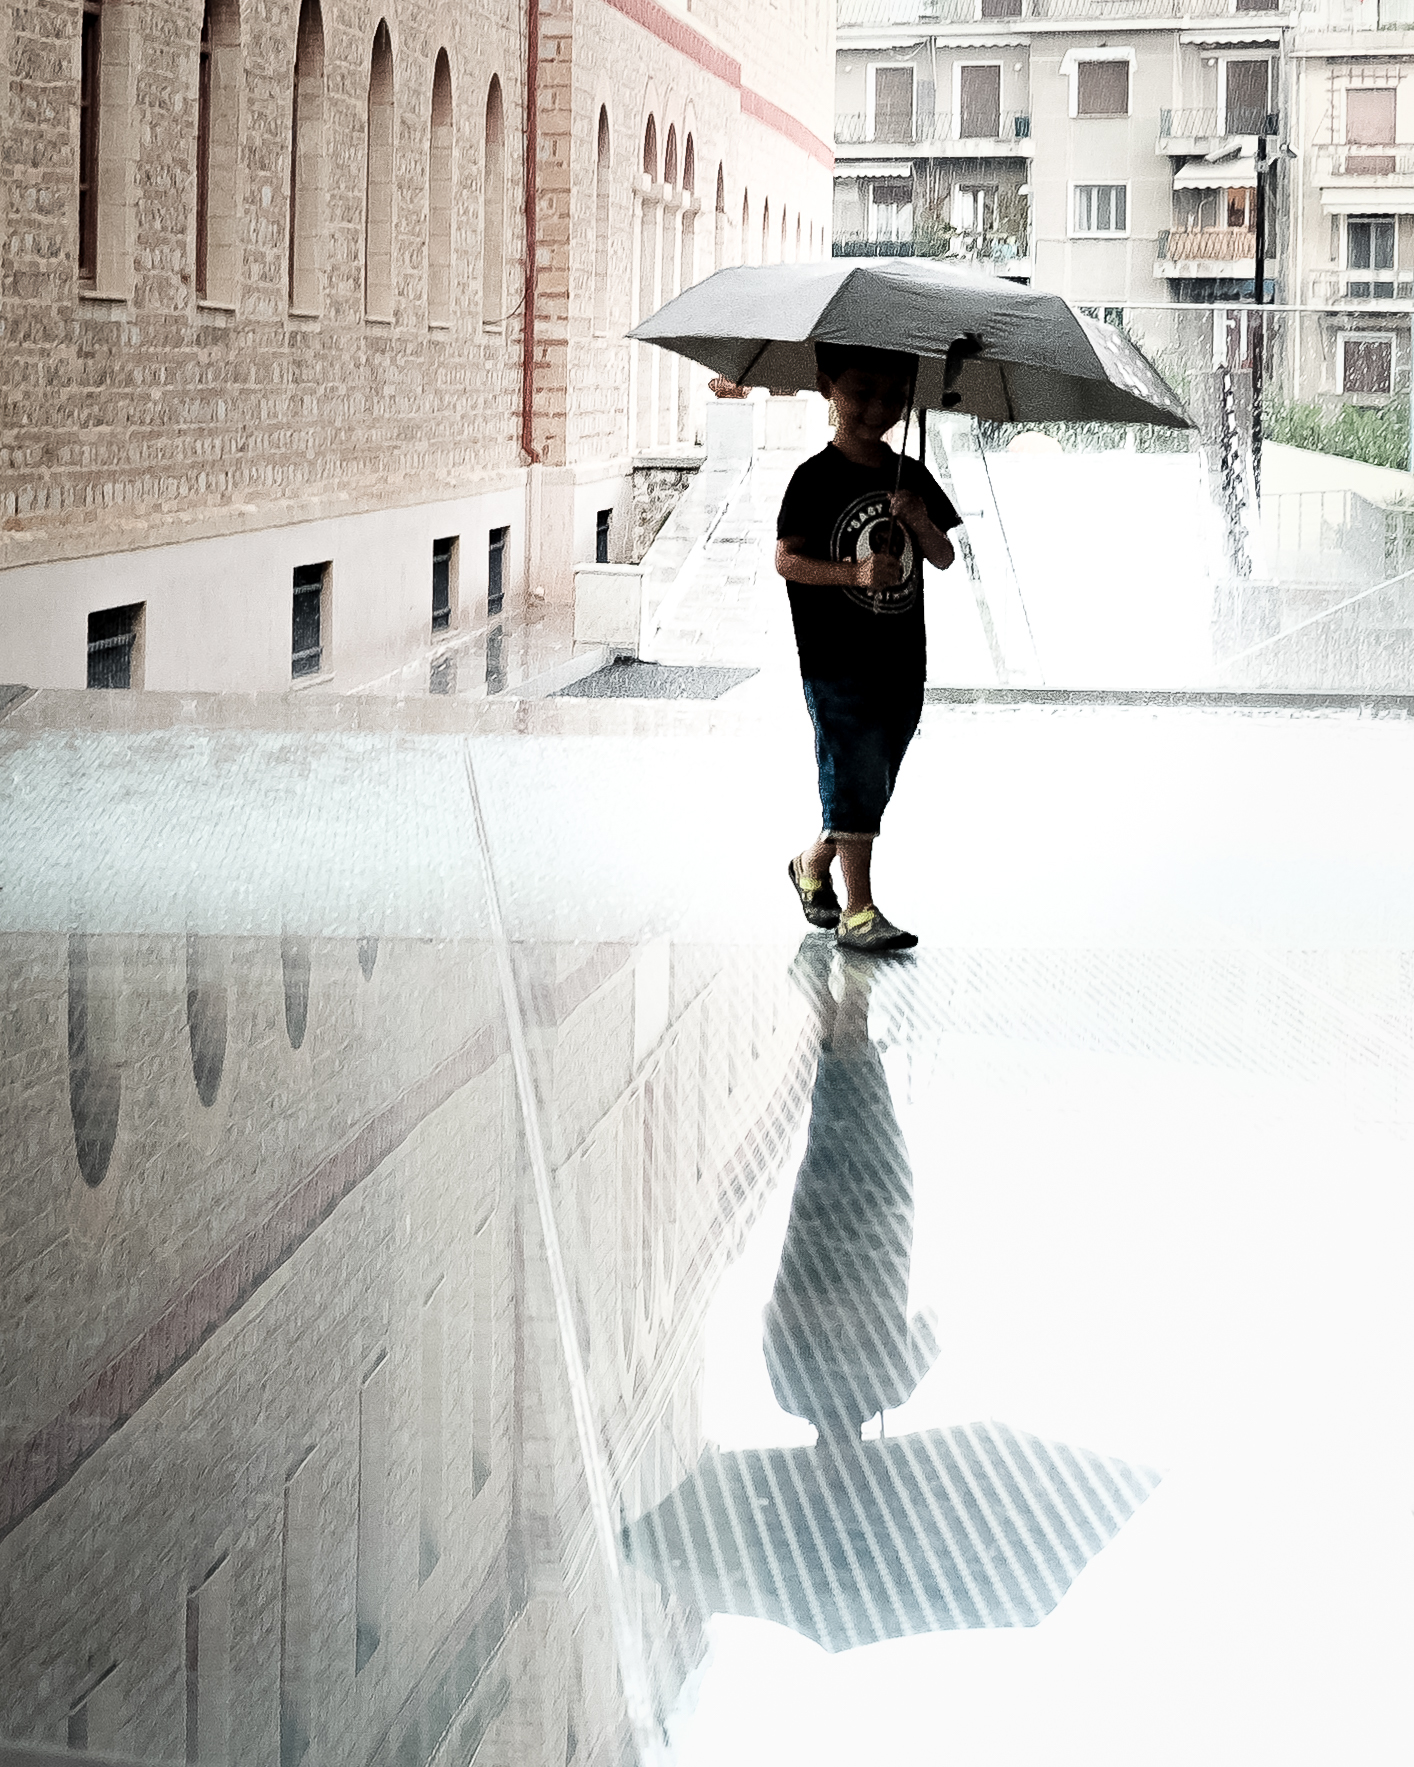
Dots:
{"x": 482, "y": 1281}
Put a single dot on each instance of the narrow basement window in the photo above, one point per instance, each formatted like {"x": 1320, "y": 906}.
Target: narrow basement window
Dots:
{"x": 442, "y": 551}
{"x": 601, "y": 536}
{"x": 495, "y": 571}
{"x": 113, "y": 635}
{"x": 307, "y": 631}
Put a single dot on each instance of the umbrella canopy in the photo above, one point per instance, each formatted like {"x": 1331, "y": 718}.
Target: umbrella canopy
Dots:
{"x": 851, "y": 1543}
{"x": 988, "y": 347}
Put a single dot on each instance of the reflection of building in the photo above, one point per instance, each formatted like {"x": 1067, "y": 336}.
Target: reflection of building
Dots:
{"x": 286, "y": 394}
{"x": 289, "y": 1470}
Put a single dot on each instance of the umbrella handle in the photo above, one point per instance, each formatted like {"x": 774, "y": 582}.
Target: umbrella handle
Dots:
{"x": 903, "y": 448}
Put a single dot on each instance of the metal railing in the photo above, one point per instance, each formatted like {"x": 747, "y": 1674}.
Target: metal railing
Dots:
{"x": 1351, "y": 160}
{"x": 1189, "y": 245}
{"x": 862, "y": 14}
{"x": 893, "y": 130}
{"x": 1210, "y": 123}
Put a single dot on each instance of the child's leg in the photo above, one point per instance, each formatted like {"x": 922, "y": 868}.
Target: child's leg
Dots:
{"x": 817, "y": 859}
{"x": 855, "y": 857}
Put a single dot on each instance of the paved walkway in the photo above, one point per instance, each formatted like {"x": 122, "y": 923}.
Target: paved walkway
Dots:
{"x": 728, "y": 605}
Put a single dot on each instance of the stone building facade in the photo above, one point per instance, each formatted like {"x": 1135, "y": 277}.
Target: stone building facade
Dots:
{"x": 268, "y": 307}
{"x": 290, "y": 1471}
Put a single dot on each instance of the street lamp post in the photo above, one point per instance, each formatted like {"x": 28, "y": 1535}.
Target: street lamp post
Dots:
{"x": 1259, "y": 295}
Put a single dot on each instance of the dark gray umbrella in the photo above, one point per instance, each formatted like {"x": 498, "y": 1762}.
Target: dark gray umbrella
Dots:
{"x": 850, "y": 1543}
{"x": 988, "y": 347}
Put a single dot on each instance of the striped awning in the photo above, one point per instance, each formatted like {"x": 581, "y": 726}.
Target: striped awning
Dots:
{"x": 1234, "y": 174}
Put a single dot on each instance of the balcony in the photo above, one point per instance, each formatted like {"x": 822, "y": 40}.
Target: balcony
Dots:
{"x": 1361, "y": 288}
{"x": 1206, "y": 251}
{"x": 934, "y": 137}
{"x": 1353, "y": 165}
{"x": 1199, "y": 131}
{"x": 864, "y": 15}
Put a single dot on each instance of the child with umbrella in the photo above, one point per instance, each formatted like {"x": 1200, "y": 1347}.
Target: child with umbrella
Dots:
{"x": 854, "y": 528}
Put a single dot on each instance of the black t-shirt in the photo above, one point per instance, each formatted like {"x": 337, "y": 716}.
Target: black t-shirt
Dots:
{"x": 841, "y": 511}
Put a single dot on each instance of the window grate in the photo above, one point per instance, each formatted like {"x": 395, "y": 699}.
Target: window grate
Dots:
{"x": 112, "y": 637}
{"x": 307, "y": 622}
{"x": 442, "y": 584}
{"x": 495, "y": 570}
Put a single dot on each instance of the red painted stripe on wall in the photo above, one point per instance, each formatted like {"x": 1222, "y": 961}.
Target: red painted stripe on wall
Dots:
{"x": 785, "y": 124}
{"x": 670, "y": 30}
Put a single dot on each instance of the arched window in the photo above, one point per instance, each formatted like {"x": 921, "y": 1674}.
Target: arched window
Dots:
{"x": 745, "y": 225}
{"x": 217, "y": 153}
{"x": 95, "y": 1069}
{"x": 493, "y": 214}
{"x": 307, "y": 162}
{"x": 206, "y": 1014}
{"x": 784, "y": 236}
{"x": 439, "y": 197}
{"x": 106, "y": 147}
{"x": 670, "y": 157}
{"x": 797, "y": 239}
{"x": 378, "y": 203}
{"x": 689, "y": 166}
{"x": 687, "y": 275}
{"x": 601, "y": 228}
{"x": 765, "y": 257}
{"x": 719, "y": 222}
{"x": 650, "y": 150}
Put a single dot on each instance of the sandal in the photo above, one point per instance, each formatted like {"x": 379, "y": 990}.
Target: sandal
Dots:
{"x": 871, "y": 931}
{"x": 818, "y": 900}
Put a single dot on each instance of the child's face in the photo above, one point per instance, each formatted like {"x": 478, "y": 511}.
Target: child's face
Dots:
{"x": 867, "y": 404}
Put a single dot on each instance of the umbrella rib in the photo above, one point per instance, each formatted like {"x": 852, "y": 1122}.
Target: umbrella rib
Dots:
{"x": 765, "y": 345}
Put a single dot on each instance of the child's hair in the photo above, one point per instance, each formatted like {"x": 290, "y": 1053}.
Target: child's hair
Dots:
{"x": 833, "y": 360}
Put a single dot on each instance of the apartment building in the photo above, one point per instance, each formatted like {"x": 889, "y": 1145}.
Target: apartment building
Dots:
{"x": 1352, "y": 224}
{"x": 1064, "y": 142}
{"x": 312, "y": 316}
{"x": 1108, "y": 149}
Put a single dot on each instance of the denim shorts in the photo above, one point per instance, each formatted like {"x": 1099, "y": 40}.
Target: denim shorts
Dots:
{"x": 861, "y": 736}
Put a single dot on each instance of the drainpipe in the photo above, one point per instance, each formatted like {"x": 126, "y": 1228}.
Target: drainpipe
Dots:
{"x": 532, "y": 156}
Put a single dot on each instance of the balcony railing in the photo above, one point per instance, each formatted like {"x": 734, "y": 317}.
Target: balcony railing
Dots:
{"x": 1214, "y": 124}
{"x": 1228, "y": 245}
{"x": 1352, "y": 161}
{"x": 866, "y": 14}
{"x": 891, "y": 130}
{"x": 972, "y": 248}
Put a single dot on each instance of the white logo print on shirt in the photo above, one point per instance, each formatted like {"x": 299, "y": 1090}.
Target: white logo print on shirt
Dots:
{"x": 863, "y": 529}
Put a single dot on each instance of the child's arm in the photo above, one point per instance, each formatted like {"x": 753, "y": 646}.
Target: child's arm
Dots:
{"x": 795, "y": 564}
{"x": 934, "y": 544}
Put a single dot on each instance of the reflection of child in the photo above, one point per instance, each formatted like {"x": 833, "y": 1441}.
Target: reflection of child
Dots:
{"x": 849, "y": 548}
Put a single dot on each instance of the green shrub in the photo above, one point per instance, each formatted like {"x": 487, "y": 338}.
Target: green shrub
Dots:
{"x": 1376, "y": 434}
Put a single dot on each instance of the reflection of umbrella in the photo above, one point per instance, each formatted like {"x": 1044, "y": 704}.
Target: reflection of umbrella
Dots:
{"x": 851, "y": 1543}
{"x": 989, "y": 347}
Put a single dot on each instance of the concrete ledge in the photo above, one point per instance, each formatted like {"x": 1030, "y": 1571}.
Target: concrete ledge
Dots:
{"x": 608, "y": 605}
{"x": 1240, "y": 699}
